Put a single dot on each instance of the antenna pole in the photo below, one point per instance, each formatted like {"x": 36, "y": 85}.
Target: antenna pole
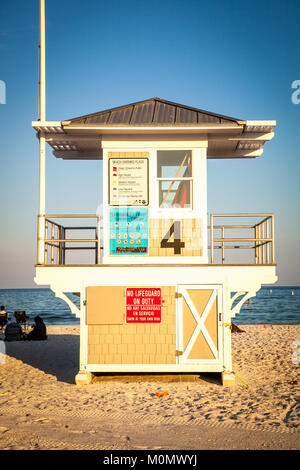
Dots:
{"x": 42, "y": 63}
{"x": 42, "y": 118}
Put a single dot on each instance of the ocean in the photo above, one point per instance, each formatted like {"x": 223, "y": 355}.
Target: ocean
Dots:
{"x": 272, "y": 305}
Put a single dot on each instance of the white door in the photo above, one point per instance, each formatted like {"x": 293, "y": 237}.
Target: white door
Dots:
{"x": 199, "y": 324}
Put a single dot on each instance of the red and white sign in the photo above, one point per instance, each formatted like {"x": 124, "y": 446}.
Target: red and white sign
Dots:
{"x": 143, "y": 305}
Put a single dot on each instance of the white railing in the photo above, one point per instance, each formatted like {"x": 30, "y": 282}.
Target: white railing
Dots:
{"x": 230, "y": 236}
{"x": 256, "y": 237}
{"x": 58, "y": 238}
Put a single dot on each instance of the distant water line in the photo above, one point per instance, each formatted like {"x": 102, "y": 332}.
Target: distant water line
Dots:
{"x": 272, "y": 305}
{"x": 41, "y": 302}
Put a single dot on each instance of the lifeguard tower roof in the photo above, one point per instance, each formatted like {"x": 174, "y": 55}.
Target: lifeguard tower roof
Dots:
{"x": 227, "y": 137}
{"x": 155, "y": 111}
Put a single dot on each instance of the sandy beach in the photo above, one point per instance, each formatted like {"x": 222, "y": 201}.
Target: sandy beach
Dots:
{"x": 42, "y": 408}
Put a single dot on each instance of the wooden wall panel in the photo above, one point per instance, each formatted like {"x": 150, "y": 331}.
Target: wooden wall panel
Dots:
{"x": 105, "y": 305}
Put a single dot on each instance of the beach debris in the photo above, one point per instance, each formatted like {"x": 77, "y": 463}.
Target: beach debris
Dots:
{"x": 234, "y": 373}
{"x": 42, "y": 420}
{"x": 161, "y": 394}
{"x": 3, "y": 429}
{"x": 236, "y": 329}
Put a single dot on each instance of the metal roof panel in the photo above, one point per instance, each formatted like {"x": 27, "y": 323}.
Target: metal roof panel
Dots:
{"x": 101, "y": 118}
{"x": 143, "y": 113}
{"x": 185, "y": 116}
{"x": 164, "y": 113}
{"x": 121, "y": 116}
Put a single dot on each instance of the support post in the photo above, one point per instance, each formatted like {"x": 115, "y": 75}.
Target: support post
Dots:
{"x": 83, "y": 377}
{"x": 227, "y": 376}
{"x": 228, "y": 379}
{"x": 42, "y": 202}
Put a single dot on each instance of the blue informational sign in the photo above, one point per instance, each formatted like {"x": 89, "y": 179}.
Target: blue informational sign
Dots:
{"x": 128, "y": 231}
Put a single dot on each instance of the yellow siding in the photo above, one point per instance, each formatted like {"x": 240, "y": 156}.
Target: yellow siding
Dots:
{"x": 136, "y": 343}
{"x": 128, "y": 154}
{"x": 191, "y": 235}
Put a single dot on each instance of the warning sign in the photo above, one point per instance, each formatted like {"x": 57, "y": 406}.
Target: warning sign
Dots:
{"x": 128, "y": 181}
{"x": 143, "y": 305}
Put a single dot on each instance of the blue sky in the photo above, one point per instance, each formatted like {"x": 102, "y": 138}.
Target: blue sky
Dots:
{"x": 229, "y": 57}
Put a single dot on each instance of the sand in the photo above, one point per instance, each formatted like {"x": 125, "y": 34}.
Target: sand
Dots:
{"x": 42, "y": 408}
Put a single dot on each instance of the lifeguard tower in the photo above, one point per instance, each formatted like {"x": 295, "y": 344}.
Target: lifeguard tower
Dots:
{"x": 165, "y": 279}
{"x": 165, "y": 282}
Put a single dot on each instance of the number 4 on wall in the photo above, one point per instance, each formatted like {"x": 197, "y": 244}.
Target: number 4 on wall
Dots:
{"x": 177, "y": 244}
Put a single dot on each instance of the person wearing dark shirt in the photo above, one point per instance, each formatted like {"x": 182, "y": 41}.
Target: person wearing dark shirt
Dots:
{"x": 13, "y": 331}
{"x": 38, "y": 331}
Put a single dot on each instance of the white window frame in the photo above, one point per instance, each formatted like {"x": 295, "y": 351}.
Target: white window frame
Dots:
{"x": 198, "y": 197}
{"x": 171, "y": 212}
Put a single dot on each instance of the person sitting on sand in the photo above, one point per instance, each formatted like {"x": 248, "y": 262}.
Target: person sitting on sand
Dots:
{"x": 13, "y": 331}
{"x": 38, "y": 331}
{"x": 3, "y": 317}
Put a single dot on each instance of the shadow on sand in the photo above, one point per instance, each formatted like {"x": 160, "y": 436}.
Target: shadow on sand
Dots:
{"x": 57, "y": 356}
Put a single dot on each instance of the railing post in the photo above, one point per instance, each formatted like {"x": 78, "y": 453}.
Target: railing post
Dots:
{"x": 63, "y": 247}
{"x": 223, "y": 248}
{"x": 263, "y": 246}
{"x": 52, "y": 243}
{"x": 211, "y": 239}
{"x": 273, "y": 236}
{"x": 46, "y": 244}
{"x": 259, "y": 246}
{"x": 99, "y": 241}
{"x": 268, "y": 243}
{"x": 255, "y": 244}
{"x": 59, "y": 245}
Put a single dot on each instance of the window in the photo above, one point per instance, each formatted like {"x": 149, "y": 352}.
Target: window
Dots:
{"x": 174, "y": 175}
